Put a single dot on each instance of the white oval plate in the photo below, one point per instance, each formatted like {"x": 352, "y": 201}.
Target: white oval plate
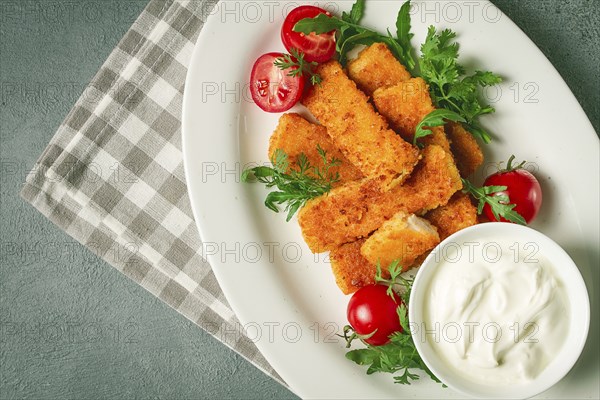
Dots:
{"x": 285, "y": 296}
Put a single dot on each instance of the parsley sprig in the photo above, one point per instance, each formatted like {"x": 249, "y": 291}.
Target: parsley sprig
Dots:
{"x": 400, "y": 354}
{"x": 396, "y": 282}
{"x": 499, "y": 202}
{"x": 296, "y": 185}
{"x": 297, "y": 65}
{"x": 449, "y": 87}
{"x": 350, "y": 33}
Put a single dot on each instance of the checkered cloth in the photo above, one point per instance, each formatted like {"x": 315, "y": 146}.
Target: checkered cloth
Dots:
{"x": 112, "y": 177}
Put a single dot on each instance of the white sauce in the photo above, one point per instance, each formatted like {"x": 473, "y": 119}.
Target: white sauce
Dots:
{"x": 496, "y": 313}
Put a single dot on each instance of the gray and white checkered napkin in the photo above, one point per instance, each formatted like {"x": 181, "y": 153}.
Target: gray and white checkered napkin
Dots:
{"x": 112, "y": 177}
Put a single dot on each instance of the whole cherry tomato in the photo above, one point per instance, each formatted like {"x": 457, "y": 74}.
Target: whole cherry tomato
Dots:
{"x": 370, "y": 310}
{"x": 522, "y": 188}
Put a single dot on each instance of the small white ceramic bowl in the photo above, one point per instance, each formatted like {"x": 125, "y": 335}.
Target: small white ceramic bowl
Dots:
{"x": 566, "y": 271}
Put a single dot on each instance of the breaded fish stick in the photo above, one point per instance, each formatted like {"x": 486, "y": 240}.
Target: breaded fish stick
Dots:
{"x": 356, "y": 209}
{"x": 405, "y": 105}
{"x": 376, "y": 67}
{"x": 353, "y": 270}
{"x": 350, "y": 268}
{"x": 459, "y": 213}
{"x": 357, "y": 130}
{"x": 295, "y": 135}
{"x": 403, "y": 238}
{"x": 467, "y": 153}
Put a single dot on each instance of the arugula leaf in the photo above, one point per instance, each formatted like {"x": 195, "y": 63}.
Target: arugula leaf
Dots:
{"x": 296, "y": 185}
{"x": 498, "y": 202}
{"x": 297, "y": 65}
{"x": 403, "y": 31}
{"x": 435, "y": 118}
{"x": 449, "y": 88}
{"x": 356, "y": 13}
{"x": 322, "y": 23}
{"x": 350, "y": 33}
{"x": 347, "y": 44}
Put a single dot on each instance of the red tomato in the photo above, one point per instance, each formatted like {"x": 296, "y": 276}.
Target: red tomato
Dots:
{"x": 272, "y": 89}
{"x": 319, "y": 48}
{"x": 371, "y": 308}
{"x": 523, "y": 190}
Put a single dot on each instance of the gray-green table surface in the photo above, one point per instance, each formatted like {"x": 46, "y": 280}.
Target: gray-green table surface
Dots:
{"x": 70, "y": 325}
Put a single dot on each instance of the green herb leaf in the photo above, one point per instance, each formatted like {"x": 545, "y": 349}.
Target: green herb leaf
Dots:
{"x": 402, "y": 54}
{"x": 404, "y": 34}
{"x": 356, "y": 13}
{"x": 322, "y": 23}
{"x": 435, "y": 118}
{"x": 297, "y": 65}
{"x": 448, "y": 86}
{"x": 403, "y": 316}
{"x": 348, "y": 43}
{"x": 499, "y": 203}
{"x": 296, "y": 185}
{"x": 361, "y": 356}
{"x": 396, "y": 280}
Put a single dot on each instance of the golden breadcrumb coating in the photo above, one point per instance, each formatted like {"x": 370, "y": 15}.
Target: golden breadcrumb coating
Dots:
{"x": 404, "y": 237}
{"x": 405, "y": 105}
{"x": 376, "y": 67}
{"x": 357, "y": 130}
{"x": 356, "y": 209}
{"x": 467, "y": 153}
{"x": 351, "y": 270}
{"x": 343, "y": 215}
{"x": 459, "y": 213}
{"x": 295, "y": 135}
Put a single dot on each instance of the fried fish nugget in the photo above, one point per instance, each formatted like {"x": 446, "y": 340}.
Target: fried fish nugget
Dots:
{"x": 467, "y": 153}
{"x": 356, "y": 209}
{"x": 459, "y": 213}
{"x": 405, "y": 105}
{"x": 343, "y": 215}
{"x": 357, "y": 130}
{"x": 295, "y": 135}
{"x": 404, "y": 237}
{"x": 350, "y": 269}
{"x": 376, "y": 67}
{"x": 353, "y": 270}
{"x": 433, "y": 183}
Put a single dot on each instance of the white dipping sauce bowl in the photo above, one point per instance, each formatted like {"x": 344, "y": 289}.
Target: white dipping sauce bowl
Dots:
{"x": 566, "y": 271}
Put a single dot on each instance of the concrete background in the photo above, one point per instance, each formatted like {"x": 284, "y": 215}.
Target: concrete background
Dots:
{"x": 70, "y": 325}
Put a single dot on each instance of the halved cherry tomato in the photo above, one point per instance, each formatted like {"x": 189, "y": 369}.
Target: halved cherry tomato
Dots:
{"x": 370, "y": 310}
{"x": 319, "y": 48}
{"x": 272, "y": 89}
{"x": 523, "y": 190}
